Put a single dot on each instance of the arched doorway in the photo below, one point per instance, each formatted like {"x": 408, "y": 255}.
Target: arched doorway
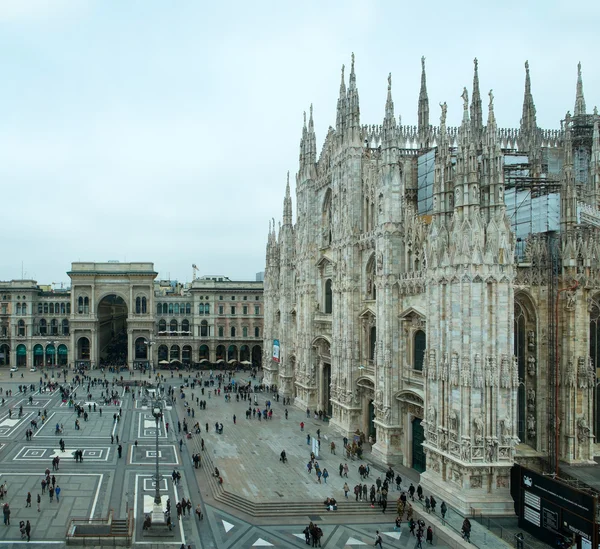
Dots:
{"x": 141, "y": 349}
{"x": 220, "y": 354}
{"x": 372, "y": 428}
{"x": 4, "y": 355}
{"x": 204, "y": 353}
{"x": 256, "y": 356}
{"x": 244, "y": 353}
{"x": 112, "y": 331}
{"x": 50, "y": 354}
{"x": 38, "y": 355}
{"x": 186, "y": 355}
{"x": 174, "y": 354}
{"x": 63, "y": 355}
{"x": 21, "y": 355}
{"x": 83, "y": 349}
{"x": 232, "y": 353}
{"x": 418, "y": 437}
{"x": 163, "y": 355}
{"x": 327, "y": 406}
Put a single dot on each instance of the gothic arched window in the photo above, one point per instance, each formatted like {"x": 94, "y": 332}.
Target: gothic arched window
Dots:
{"x": 328, "y": 297}
{"x": 419, "y": 346}
{"x": 372, "y": 342}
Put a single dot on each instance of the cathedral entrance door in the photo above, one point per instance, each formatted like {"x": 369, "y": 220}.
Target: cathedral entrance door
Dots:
{"x": 372, "y": 428}
{"x": 418, "y": 437}
{"x": 327, "y": 407}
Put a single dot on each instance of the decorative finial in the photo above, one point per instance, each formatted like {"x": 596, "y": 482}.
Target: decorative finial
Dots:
{"x": 389, "y": 81}
{"x": 352, "y": 67}
{"x": 304, "y": 113}
{"x": 311, "y": 110}
{"x": 595, "y": 111}
{"x": 579, "y": 69}
{"x": 343, "y": 68}
{"x": 475, "y": 62}
{"x": 423, "y": 62}
{"x": 288, "y": 179}
{"x": 527, "y": 66}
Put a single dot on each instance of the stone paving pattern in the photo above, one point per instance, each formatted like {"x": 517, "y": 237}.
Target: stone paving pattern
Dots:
{"x": 247, "y": 455}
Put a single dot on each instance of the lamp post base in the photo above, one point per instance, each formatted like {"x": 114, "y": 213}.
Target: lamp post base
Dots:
{"x": 159, "y": 526}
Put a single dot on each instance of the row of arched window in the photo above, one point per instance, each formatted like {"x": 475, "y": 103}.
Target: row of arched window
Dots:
{"x": 233, "y": 332}
{"x": 53, "y": 327}
{"x": 174, "y": 308}
{"x": 63, "y": 308}
{"x": 183, "y": 329}
{"x": 174, "y": 326}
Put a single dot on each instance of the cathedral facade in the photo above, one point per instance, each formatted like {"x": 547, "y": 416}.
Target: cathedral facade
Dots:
{"x": 439, "y": 290}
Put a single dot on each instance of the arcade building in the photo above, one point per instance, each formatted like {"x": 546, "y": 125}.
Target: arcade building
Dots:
{"x": 118, "y": 315}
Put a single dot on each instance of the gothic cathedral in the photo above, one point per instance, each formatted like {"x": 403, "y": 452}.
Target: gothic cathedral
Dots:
{"x": 439, "y": 290}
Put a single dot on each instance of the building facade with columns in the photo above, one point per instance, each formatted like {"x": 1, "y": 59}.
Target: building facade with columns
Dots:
{"x": 439, "y": 289}
{"x": 118, "y": 314}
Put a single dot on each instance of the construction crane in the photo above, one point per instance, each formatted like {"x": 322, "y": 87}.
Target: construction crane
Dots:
{"x": 194, "y": 272}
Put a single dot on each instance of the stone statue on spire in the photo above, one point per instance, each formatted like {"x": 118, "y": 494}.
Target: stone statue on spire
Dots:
{"x": 389, "y": 81}
{"x": 465, "y": 98}
{"x": 444, "y": 107}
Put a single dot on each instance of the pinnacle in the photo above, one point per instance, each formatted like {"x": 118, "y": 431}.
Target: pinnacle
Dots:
{"x": 579, "y": 98}
{"x": 343, "y": 82}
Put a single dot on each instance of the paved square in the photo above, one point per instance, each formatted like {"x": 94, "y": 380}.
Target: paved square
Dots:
{"x": 247, "y": 454}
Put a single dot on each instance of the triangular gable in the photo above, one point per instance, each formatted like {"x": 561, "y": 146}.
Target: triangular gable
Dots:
{"x": 367, "y": 313}
{"x": 411, "y": 311}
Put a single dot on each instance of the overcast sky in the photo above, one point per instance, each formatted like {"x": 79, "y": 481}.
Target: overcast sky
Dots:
{"x": 163, "y": 130}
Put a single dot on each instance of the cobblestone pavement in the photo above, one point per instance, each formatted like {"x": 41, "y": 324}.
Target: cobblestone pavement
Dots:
{"x": 247, "y": 454}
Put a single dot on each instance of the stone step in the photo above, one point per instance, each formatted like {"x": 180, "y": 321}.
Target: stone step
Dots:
{"x": 279, "y": 508}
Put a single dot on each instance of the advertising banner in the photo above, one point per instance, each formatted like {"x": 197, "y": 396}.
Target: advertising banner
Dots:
{"x": 552, "y": 510}
{"x": 275, "y": 350}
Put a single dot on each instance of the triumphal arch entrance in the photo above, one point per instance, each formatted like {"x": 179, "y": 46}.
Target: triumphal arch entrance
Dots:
{"x": 111, "y": 312}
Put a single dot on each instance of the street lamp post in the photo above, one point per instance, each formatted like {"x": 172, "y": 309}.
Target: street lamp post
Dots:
{"x": 157, "y": 413}
{"x": 149, "y": 344}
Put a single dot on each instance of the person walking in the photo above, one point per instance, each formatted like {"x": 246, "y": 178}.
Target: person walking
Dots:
{"x": 28, "y": 530}
{"x": 39, "y": 500}
{"x": 346, "y": 490}
{"x": 6, "y": 514}
{"x": 57, "y": 494}
{"x": 443, "y": 509}
{"x": 120, "y": 450}
{"x": 28, "y": 500}
{"x": 378, "y": 540}
{"x": 51, "y": 494}
{"x": 234, "y": 418}
{"x": 345, "y": 470}
{"x": 429, "y": 537}
{"x": 325, "y": 475}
